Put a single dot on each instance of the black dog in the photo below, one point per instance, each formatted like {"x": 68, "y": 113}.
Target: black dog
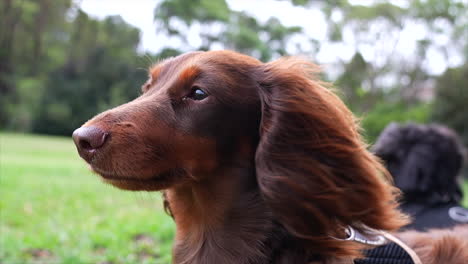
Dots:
{"x": 425, "y": 161}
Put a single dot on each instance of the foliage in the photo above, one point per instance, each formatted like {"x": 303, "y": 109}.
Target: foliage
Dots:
{"x": 74, "y": 69}
{"x": 377, "y": 119}
{"x": 53, "y": 210}
{"x": 27, "y": 27}
{"x": 203, "y": 11}
{"x": 224, "y": 27}
{"x": 364, "y": 83}
{"x": 101, "y": 73}
{"x": 377, "y": 27}
{"x": 59, "y": 67}
{"x": 451, "y": 103}
{"x": 350, "y": 82}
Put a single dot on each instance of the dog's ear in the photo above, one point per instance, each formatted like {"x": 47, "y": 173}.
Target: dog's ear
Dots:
{"x": 312, "y": 167}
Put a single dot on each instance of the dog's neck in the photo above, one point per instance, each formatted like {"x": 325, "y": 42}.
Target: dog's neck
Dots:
{"x": 221, "y": 219}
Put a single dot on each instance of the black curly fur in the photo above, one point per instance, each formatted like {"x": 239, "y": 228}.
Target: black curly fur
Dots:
{"x": 425, "y": 160}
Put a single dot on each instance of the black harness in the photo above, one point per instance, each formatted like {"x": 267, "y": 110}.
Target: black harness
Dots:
{"x": 435, "y": 215}
{"x": 390, "y": 253}
{"x": 385, "y": 252}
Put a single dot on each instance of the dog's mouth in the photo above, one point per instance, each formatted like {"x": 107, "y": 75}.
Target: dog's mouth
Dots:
{"x": 114, "y": 176}
{"x": 122, "y": 178}
{"x": 156, "y": 182}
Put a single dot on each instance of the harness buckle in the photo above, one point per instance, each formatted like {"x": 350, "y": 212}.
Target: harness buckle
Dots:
{"x": 370, "y": 237}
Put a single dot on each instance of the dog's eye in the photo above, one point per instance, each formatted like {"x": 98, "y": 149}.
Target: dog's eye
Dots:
{"x": 197, "y": 94}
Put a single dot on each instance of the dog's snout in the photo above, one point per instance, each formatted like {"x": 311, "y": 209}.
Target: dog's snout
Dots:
{"x": 88, "y": 140}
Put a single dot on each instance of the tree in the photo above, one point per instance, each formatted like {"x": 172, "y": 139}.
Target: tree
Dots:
{"x": 57, "y": 71}
{"x": 376, "y": 28}
{"x": 451, "y": 101}
{"x": 27, "y": 27}
{"x": 58, "y": 66}
{"x": 102, "y": 72}
{"x": 224, "y": 27}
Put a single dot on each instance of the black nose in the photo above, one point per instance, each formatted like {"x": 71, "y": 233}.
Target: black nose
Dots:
{"x": 88, "y": 140}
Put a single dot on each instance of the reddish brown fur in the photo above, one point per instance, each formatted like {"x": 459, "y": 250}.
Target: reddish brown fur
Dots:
{"x": 301, "y": 116}
{"x": 155, "y": 71}
{"x": 269, "y": 168}
{"x": 439, "y": 245}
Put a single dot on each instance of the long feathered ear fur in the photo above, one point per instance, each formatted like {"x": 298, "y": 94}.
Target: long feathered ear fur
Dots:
{"x": 312, "y": 167}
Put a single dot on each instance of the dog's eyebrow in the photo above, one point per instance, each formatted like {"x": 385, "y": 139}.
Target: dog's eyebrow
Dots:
{"x": 189, "y": 73}
{"x": 155, "y": 71}
{"x": 186, "y": 77}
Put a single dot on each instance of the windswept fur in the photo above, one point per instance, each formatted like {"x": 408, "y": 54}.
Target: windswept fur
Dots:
{"x": 312, "y": 163}
{"x": 439, "y": 245}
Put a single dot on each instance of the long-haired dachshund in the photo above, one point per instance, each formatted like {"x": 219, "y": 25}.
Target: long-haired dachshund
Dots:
{"x": 259, "y": 163}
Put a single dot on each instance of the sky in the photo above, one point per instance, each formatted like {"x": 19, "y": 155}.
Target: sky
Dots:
{"x": 139, "y": 13}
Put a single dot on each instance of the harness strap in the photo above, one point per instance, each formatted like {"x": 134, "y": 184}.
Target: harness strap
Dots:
{"x": 408, "y": 250}
{"x": 389, "y": 249}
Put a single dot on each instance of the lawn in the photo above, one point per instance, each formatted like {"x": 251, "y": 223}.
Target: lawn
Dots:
{"x": 54, "y": 210}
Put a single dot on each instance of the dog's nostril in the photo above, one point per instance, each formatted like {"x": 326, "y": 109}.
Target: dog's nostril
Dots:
{"x": 89, "y": 138}
{"x": 85, "y": 145}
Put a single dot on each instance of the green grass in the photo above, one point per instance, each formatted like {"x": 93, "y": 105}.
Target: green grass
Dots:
{"x": 54, "y": 210}
{"x": 465, "y": 192}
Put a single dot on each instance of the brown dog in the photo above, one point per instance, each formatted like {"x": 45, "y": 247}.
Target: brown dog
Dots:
{"x": 260, "y": 163}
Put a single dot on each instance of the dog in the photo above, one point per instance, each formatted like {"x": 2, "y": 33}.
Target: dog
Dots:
{"x": 259, "y": 163}
{"x": 425, "y": 161}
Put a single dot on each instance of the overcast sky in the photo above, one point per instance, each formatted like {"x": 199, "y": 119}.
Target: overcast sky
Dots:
{"x": 139, "y": 13}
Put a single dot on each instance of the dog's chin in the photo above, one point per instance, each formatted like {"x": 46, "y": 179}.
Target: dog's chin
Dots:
{"x": 157, "y": 182}
{"x": 135, "y": 185}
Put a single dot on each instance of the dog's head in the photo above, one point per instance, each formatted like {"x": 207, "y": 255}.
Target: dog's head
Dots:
{"x": 425, "y": 160}
{"x": 203, "y": 111}
{"x": 196, "y": 112}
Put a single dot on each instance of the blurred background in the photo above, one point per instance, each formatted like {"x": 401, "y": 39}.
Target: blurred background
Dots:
{"x": 63, "y": 61}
